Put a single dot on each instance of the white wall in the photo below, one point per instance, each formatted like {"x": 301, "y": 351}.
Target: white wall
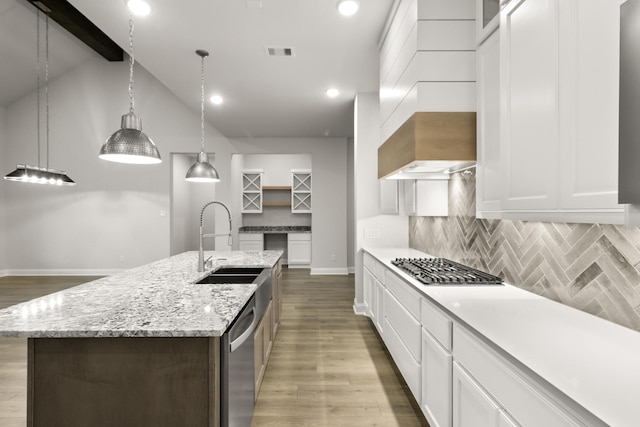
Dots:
{"x": 329, "y": 187}
{"x": 393, "y": 229}
{"x": 5, "y": 168}
{"x": 118, "y": 215}
{"x": 351, "y": 219}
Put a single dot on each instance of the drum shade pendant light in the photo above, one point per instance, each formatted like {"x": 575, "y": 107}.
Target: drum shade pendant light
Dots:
{"x": 38, "y": 174}
{"x": 202, "y": 170}
{"x": 129, "y": 144}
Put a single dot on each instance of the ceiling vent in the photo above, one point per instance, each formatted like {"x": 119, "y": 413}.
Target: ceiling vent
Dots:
{"x": 279, "y": 51}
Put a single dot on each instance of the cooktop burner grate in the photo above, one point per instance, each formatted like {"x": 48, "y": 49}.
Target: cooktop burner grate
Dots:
{"x": 442, "y": 271}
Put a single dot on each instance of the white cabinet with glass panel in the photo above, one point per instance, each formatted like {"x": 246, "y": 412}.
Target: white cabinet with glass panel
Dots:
{"x": 301, "y": 191}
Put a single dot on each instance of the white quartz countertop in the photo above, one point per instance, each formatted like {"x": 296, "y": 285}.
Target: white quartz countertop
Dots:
{"x": 155, "y": 300}
{"x": 594, "y": 362}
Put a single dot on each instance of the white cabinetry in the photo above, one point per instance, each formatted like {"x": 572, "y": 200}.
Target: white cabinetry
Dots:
{"x": 517, "y": 393}
{"x": 488, "y": 169}
{"x": 436, "y": 365}
{"x": 299, "y": 249}
{"x": 402, "y": 331}
{"x": 388, "y": 196}
{"x": 301, "y": 191}
{"x": 373, "y": 290}
{"x": 252, "y": 191}
{"x": 426, "y": 197}
{"x": 472, "y": 407}
{"x": 251, "y": 241}
{"x": 530, "y": 105}
{"x": 559, "y": 105}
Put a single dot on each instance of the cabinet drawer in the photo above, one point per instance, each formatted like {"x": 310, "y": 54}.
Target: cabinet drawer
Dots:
{"x": 515, "y": 392}
{"x": 409, "y": 298}
{"x": 251, "y": 237}
{"x": 407, "y": 365}
{"x": 436, "y": 322}
{"x": 299, "y": 236}
{"x": 406, "y": 326}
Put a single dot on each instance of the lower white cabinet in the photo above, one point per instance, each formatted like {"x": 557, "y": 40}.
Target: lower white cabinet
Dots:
{"x": 472, "y": 407}
{"x": 378, "y": 306}
{"x": 437, "y": 364}
{"x": 299, "y": 249}
{"x": 251, "y": 241}
{"x": 505, "y": 421}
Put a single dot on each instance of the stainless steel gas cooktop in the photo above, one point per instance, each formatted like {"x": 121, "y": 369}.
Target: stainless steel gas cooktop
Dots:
{"x": 442, "y": 271}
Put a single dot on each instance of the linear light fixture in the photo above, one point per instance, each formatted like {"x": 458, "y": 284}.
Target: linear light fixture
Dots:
{"x": 38, "y": 174}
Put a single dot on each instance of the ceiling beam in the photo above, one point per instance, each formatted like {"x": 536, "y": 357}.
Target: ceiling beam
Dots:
{"x": 80, "y": 26}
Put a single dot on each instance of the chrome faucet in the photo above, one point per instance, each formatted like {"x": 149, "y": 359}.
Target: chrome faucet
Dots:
{"x": 201, "y": 260}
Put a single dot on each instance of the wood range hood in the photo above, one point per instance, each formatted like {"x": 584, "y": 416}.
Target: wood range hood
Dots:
{"x": 429, "y": 143}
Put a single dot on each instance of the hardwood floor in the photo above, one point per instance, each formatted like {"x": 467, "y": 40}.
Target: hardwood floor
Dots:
{"x": 13, "y": 351}
{"x": 328, "y": 366}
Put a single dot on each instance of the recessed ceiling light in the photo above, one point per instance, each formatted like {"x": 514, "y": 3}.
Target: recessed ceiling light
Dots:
{"x": 139, "y": 7}
{"x": 216, "y": 99}
{"x": 332, "y": 93}
{"x": 348, "y": 7}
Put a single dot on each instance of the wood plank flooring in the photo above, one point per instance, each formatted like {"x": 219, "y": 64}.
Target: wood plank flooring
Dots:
{"x": 328, "y": 366}
{"x": 13, "y": 351}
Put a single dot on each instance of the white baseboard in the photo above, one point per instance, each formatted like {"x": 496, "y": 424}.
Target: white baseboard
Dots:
{"x": 329, "y": 271}
{"x": 359, "y": 308}
{"x": 3, "y": 273}
{"x": 63, "y": 272}
{"x": 307, "y": 266}
{"x": 352, "y": 270}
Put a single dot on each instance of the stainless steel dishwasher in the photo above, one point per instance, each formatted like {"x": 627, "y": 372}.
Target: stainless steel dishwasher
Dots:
{"x": 237, "y": 387}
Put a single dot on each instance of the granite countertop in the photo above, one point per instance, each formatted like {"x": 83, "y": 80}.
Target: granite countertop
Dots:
{"x": 591, "y": 360}
{"x": 154, "y": 300}
{"x": 274, "y": 229}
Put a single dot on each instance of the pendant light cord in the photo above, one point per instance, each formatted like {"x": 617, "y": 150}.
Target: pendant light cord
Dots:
{"x": 131, "y": 62}
{"x": 38, "y": 80}
{"x": 202, "y": 102}
{"x": 46, "y": 82}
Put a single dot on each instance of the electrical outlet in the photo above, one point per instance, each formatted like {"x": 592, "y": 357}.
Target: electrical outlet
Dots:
{"x": 371, "y": 233}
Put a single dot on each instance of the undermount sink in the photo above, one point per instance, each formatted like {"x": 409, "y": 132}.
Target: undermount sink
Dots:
{"x": 232, "y": 275}
{"x": 228, "y": 278}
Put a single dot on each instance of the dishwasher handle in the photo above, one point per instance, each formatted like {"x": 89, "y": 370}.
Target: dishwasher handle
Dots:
{"x": 247, "y": 332}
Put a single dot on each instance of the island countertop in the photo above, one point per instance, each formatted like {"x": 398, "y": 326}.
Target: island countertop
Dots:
{"x": 158, "y": 299}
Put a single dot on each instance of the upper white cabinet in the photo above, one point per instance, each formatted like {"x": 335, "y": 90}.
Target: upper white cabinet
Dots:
{"x": 529, "y": 40}
{"x": 388, "y": 196}
{"x": 252, "y": 191}
{"x": 426, "y": 197}
{"x": 558, "y": 86}
{"x": 488, "y": 169}
{"x": 301, "y": 191}
{"x": 487, "y": 18}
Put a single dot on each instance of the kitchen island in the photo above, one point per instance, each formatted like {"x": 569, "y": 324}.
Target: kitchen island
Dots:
{"x": 137, "y": 348}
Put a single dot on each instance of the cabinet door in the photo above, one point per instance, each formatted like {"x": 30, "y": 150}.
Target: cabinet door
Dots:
{"x": 388, "y": 196}
{"x": 301, "y": 191}
{"x": 589, "y": 63}
{"x": 367, "y": 283}
{"x": 379, "y": 308}
{"x": 251, "y": 242}
{"x": 505, "y": 421}
{"x": 488, "y": 169}
{"x": 252, "y": 191}
{"x": 472, "y": 407}
{"x": 529, "y": 104}
{"x": 437, "y": 365}
{"x": 299, "y": 249}
{"x": 409, "y": 186}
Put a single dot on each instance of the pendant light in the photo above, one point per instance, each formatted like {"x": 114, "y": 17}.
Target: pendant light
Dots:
{"x": 129, "y": 144}
{"x": 202, "y": 170}
{"x": 38, "y": 174}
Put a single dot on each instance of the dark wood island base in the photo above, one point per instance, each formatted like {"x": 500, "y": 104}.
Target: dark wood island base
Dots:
{"x": 79, "y": 382}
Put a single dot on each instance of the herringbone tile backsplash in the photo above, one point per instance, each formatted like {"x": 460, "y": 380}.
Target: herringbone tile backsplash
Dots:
{"x": 591, "y": 267}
